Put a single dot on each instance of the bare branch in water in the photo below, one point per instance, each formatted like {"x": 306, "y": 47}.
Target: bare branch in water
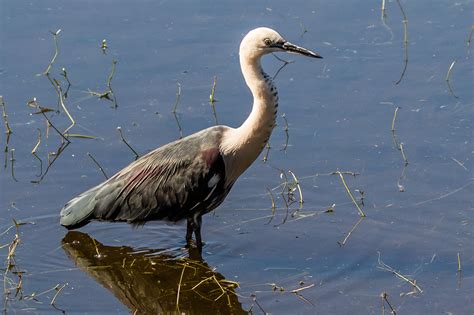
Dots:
{"x": 285, "y": 63}
{"x": 98, "y": 165}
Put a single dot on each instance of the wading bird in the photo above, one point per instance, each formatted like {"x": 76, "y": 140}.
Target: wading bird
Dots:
{"x": 191, "y": 176}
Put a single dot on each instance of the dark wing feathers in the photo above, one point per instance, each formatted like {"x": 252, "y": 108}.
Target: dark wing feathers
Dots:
{"x": 172, "y": 182}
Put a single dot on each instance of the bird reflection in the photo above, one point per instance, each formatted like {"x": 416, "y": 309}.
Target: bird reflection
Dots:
{"x": 152, "y": 281}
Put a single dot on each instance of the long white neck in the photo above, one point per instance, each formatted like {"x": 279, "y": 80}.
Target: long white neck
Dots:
{"x": 242, "y": 145}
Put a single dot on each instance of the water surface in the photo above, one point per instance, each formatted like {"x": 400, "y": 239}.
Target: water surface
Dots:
{"x": 339, "y": 112}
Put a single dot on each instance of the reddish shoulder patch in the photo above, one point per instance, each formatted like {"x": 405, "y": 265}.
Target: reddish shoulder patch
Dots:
{"x": 210, "y": 156}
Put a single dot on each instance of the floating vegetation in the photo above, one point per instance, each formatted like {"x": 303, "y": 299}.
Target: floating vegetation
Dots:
{"x": 119, "y": 129}
{"x": 213, "y": 100}
{"x": 12, "y": 273}
{"x": 448, "y": 80}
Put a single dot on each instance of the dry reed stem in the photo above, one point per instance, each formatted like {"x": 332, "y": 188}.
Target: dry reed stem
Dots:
{"x": 56, "y": 52}
{"x": 179, "y": 286}
{"x": 386, "y": 267}
{"x": 273, "y": 206}
{"x": 361, "y": 213}
{"x": 343, "y": 243}
{"x": 58, "y": 290}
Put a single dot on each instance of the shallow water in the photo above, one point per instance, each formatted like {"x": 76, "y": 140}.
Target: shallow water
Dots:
{"x": 339, "y": 113}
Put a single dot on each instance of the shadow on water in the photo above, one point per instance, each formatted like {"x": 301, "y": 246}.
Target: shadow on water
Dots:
{"x": 150, "y": 281}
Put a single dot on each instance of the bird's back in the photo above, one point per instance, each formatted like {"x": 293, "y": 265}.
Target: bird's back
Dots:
{"x": 173, "y": 182}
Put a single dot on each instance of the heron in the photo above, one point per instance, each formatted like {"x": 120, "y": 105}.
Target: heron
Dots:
{"x": 190, "y": 177}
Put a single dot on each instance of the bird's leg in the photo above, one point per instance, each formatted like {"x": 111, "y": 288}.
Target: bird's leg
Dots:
{"x": 189, "y": 232}
{"x": 197, "y": 232}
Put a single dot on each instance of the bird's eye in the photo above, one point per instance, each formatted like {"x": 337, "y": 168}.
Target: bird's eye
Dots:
{"x": 267, "y": 41}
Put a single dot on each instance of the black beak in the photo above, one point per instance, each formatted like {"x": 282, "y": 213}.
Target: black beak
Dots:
{"x": 291, "y": 48}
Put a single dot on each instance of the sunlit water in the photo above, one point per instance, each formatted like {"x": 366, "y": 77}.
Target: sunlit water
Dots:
{"x": 339, "y": 113}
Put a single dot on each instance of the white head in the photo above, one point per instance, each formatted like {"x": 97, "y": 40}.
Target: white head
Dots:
{"x": 264, "y": 40}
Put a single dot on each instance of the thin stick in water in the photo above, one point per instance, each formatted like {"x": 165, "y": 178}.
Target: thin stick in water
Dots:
{"x": 361, "y": 213}
{"x": 119, "y": 129}
{"x": 98, "y": 165}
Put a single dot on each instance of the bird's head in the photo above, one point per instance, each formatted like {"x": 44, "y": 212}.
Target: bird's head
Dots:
{"x": 264, "y": 40}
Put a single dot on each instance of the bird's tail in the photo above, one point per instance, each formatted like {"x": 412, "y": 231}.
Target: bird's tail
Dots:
{"x": 78, "y": 211}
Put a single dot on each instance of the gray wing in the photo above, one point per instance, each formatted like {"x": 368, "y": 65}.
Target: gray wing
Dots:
{"x": 171, "y": 182}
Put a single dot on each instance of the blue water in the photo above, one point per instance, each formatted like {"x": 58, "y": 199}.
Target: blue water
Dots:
{"x": 339, "y": 113}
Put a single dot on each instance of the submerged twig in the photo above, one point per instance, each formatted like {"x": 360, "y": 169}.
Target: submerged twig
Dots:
{"x": 405, "y": 42}
{"x": 119, "y": 129}
{"x": 448, "y": 81}
{"x": 98, "y": 165}
{"x": 361, "y": 213}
